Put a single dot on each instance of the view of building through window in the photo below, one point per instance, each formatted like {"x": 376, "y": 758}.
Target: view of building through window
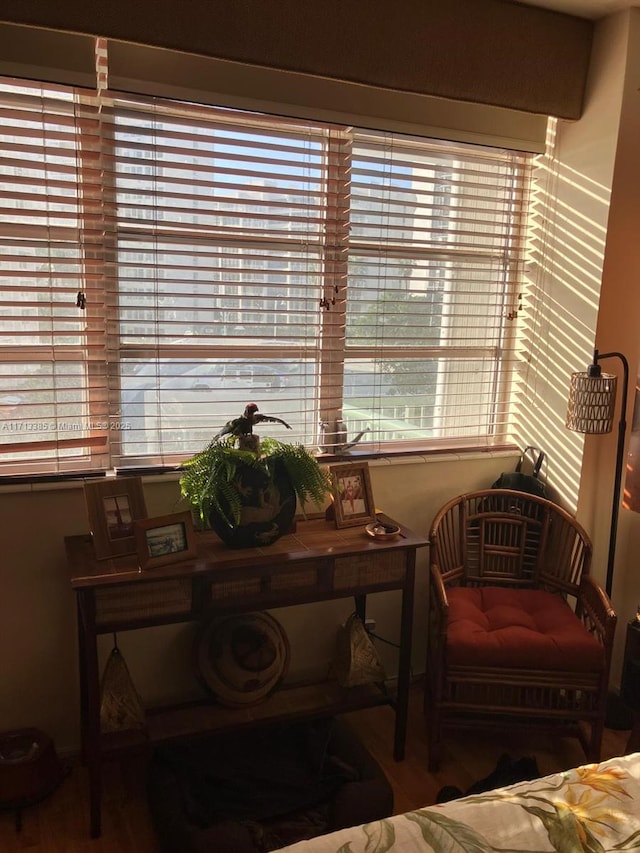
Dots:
{"x": 223, "y": 257}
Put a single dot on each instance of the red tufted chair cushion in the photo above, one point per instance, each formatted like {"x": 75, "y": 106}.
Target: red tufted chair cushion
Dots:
{"x": 518, "y": 628}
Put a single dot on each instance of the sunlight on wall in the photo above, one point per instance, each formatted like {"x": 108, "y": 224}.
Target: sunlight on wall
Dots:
{"x": 567, "y": 234}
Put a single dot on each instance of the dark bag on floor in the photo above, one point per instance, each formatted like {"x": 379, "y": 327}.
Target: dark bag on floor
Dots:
{"x": 508, "y": 771}
{"x": 520, "y": 482}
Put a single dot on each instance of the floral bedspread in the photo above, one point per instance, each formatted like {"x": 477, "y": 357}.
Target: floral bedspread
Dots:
{"x": 594, "y": 808}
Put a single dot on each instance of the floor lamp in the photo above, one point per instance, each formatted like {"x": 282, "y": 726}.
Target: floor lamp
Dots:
{"x": 592, "y": 401}
{"x": 591, "y": 408}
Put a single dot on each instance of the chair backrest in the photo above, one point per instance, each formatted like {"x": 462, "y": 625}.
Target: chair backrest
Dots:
{"x": 504, "y": 538}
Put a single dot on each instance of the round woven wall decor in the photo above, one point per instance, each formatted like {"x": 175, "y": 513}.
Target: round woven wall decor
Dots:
{"x": 242, "y": 658}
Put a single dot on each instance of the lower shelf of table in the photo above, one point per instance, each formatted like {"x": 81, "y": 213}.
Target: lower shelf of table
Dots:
{"x": 324, "y": 699}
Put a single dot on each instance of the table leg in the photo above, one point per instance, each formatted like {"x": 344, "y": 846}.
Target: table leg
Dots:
{"x": 82, "y": 670}
{"x": 404, "y": 662}
{"x": 90, "y": 683}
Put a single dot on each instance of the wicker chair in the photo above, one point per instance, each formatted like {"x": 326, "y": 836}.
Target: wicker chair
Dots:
{"x": 519, "y": 634}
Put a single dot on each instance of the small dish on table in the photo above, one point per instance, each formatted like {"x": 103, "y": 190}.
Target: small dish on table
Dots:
{"x": 382, "y": 530}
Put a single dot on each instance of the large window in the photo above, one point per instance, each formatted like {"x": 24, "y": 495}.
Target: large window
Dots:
{"x": 163, "y": 264}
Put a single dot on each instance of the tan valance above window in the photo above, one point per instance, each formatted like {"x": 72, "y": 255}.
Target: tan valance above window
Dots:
{"x": 484, "y": 51}
{"x": 203, "y": 80}
{"x": 47, "y": 56}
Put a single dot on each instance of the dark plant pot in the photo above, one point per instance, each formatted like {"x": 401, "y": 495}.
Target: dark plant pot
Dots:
{"x": 268, "y": 509}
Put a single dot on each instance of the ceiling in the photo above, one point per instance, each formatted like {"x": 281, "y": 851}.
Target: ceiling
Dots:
{"x": 592, "y": 9}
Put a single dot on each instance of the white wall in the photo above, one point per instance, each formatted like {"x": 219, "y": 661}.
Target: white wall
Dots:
{"x": 585, "y": 284}
{"x": 38, "y": 652}
{"x": 618, "y": 330}
{"x": 568, "y": 240}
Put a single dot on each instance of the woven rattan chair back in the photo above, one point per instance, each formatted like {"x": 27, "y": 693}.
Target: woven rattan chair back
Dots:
{"x": 502, "y": 537}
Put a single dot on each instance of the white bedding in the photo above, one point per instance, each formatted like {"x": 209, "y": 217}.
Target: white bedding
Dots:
{"x": 588, "y": 809}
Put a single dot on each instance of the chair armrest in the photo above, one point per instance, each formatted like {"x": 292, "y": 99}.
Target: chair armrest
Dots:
{"x": 438, "y": 610}
{"x": 439, "y": 599}
{"x": 596, "y": 612}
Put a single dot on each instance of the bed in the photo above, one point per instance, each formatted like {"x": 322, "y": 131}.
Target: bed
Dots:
{"x": 593, "y": 808}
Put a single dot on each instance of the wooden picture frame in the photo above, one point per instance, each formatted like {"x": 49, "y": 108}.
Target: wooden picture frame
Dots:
{"x": 165, "y": 539}
{"x": 353, "y": 497}
{"x": 113, "y": 505}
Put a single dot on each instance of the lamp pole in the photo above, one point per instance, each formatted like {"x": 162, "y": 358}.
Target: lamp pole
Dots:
{"x": 622, "y": 428}
{"x": 591, "y": 409}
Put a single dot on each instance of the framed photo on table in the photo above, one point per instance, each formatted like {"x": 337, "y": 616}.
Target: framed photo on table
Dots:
{"x": 353, "y": 497}
{"x": 165, "y": 539}
{"x": 113, "y": 505}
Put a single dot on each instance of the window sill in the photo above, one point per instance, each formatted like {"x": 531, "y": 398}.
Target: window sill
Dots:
{"x": 60, "y": 482}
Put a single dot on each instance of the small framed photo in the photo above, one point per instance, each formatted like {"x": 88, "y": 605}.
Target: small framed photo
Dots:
{"x": 165, "y": 539}
{"x": 113, "y": 505}
{"x": 353, "y": 498}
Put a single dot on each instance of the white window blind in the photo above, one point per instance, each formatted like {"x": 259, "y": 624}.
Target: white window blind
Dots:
{"x": 53, "y": 402}
{"x": 220, "y": 233}
{"x": 435, "y": 253}
{"x": 320, "y": 271}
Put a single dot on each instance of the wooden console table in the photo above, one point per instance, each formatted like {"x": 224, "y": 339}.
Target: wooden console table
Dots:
{"x": 316, "y": 563}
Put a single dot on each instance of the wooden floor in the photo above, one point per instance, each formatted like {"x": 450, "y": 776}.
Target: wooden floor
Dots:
{"x": 60, "y": 823}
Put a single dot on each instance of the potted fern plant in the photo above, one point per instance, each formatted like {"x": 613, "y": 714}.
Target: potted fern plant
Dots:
{"x": 247, "y": 489}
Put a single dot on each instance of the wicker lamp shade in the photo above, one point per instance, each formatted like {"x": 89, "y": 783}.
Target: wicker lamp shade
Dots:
{"x": 591, "y": 403}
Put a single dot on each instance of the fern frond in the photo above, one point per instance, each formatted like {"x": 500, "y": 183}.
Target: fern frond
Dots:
{"x": 208, "y": 479}
{"x": 310, "y": 482}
